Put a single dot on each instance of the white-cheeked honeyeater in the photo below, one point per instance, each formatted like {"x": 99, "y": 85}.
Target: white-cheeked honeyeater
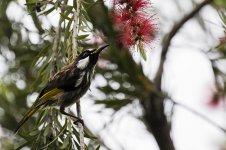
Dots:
{"x": 66, "y": 86}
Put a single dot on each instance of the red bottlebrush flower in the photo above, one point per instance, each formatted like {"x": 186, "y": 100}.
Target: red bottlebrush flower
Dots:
{"x": 121, "y": 16}
{"x": 146, "y": 30}
{"x": 121, "y": 2}
{"x": 127, "y": 38}
{"x": 133, "y": 23}
{"x": 139, "y": 4}
{"x": 134, "y": 4}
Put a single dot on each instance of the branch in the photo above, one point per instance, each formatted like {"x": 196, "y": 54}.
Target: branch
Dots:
{"x": 56, "y": 42}
{"x": 198, "y": 114}
{"x": 75, "y": 29}
{"x": 74, "y": 48}
{"x": 168, "y": 38}
{"x": 80, "y": 126}
{"x": 156, "y": 121}
{"x": 154, "y": 105}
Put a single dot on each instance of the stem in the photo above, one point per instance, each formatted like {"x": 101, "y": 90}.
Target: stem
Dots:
{"x": 154, "y": 105}
{"x": 56, "y": 42}
{"x": 75, "y": 29}
{"x": 80, "y": 126}
{"x": 74, "y": 48}
{"x": 55, "y": 48}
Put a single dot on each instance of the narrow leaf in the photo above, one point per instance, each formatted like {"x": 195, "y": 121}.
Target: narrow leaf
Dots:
{"x": 65, "y": 16}
{"x": 62, "y": 130}
{"x": 142, "y": 52}
{"x": 81, "y": 37}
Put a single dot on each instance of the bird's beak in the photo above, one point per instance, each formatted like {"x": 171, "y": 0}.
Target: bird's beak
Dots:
{"x": 97, "y": 51}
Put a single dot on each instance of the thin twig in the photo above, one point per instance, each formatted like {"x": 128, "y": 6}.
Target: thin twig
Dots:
{"x": 56, "y": 42}
{"x": 80, "y": 126}
{"x": 55, "y": 49}
{"x": 168, "y": 38}
{"x": 74, "y": 48}
{"x": 197, "y": 114}
{"x": 75, "y": 29}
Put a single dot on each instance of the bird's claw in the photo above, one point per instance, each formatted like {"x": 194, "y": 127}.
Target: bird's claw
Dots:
{"x": 79, "y": 121}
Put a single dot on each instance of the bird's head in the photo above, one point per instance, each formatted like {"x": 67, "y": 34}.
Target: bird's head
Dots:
{"x": 88, "y": 58}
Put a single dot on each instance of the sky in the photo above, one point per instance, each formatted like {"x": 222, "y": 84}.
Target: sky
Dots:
{"x": 188, "y": 78}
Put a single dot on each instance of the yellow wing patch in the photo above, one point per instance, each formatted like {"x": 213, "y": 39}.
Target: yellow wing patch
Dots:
{"x": 50, "y": 94}
{"x": 47, "y": 96}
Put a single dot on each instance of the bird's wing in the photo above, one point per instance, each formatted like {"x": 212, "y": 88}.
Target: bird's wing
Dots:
{"x": 66, "y": 79}
{"x": 62, "y": 81}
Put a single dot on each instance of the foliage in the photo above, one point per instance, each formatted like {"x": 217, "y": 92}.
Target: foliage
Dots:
{"x": 50, "y": 130}
{"x": 31, "y": 64}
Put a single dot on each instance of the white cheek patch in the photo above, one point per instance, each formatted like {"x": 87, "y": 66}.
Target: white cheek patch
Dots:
{"x": 83, "y": 63}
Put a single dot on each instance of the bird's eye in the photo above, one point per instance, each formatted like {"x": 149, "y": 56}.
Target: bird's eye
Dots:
{"x": 85, "y": 54}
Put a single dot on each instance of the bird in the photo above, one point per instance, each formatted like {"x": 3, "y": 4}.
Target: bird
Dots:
{"x": 66, "y": 86}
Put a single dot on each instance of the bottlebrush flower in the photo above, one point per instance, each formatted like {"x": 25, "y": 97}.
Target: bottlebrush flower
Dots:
{"x": 139, "y": 4}
{"x": 121, "y": 16}
{"x": 127, "y": 37}
{"x": 135, "y": 26}
{"x": 145, "y": 30}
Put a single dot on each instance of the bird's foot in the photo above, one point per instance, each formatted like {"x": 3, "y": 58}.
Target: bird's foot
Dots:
{"x": 79, "y": 121}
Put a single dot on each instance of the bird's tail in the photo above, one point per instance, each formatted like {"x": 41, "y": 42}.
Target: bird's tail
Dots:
{"x": 25, "y": 118}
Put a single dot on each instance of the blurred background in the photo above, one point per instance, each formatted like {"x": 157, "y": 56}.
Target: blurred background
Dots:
{"x": 116, "y": 109}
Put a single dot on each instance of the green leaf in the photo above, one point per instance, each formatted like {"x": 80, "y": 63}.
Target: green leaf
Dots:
{"x": 62, "y": 130}
{"x": 98, "y": 147}
{"x": 46, "y": 131}
{"x": 47, "y": 11}
{"x": 65, "y": 142}
{"x": 69, "y": 127}
{"x": 56, "y": 5}
{"x": 34, "y": 132}
{"x": 142, "y": 51}
{"x": 88, "y": 135}
{"x": 67, "y": 30}
{"x": 57, "y": 122}
{"x": 81, "y": 37}
{"x": 40, "y": 119}
{"x": 76, "y": 133}
{"x": 65, "y": 16}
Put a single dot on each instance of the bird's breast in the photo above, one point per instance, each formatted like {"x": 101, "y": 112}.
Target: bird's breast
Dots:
{"x": 81, "y": 86}
{"x": 83, "y": 79}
